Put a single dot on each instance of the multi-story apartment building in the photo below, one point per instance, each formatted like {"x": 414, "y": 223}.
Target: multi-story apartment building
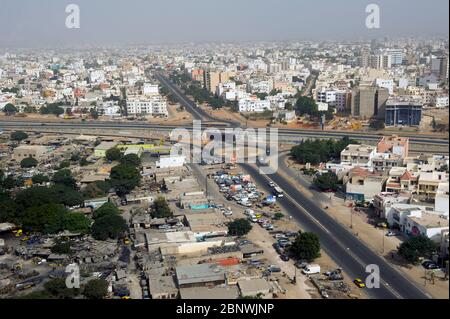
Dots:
{"x": 429, "y": 183}
{"x": 253, "y": 105}
{"x": 155, "y": 106}
{"x": 358, "y": 154}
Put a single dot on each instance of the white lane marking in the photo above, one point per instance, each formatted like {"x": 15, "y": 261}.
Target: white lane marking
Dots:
{"x": 387, "y": 286}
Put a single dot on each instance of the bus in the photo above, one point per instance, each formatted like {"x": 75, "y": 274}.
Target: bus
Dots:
{"x": 278, "y": 192}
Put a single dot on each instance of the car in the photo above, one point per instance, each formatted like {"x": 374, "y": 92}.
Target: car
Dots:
{"x": 359, "y": 283}
{"x": 391, "y": 234}
{"x": 272, "y": 184}
{"x": 284, "y": 257}
{"x": 274, "y": 269}
{"x": 301, "y": 264}
{"x": 228, "y": 213}
{"x": 430, "y": 265}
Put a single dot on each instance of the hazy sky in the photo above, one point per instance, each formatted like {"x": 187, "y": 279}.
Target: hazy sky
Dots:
{"x": 42, "y": 22}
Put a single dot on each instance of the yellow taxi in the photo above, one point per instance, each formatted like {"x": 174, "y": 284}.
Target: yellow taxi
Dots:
{"x": 359, "y": 283}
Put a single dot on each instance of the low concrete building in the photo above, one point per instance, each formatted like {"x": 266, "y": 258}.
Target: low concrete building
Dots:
{"x": 37, "y": 152}
{"x": 100, "y": 150}
{"x": 218, "y": 293}
{"x": 255, "y": 288}
{"x": 162, "y": 287}
{"x": 200, "y": 275}
{"x": 427, "y": 224}
{"x": 358, "y": 154}
{"x": 361, "y": 185}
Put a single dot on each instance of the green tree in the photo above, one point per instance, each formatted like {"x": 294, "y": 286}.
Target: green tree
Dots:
{"x": 306, "y": 105}
{"x": 40, "y": 179}
{"x": 96, "y": 289}
{"x": 8, "y": 209}
{"x": 77, "y": 223}
{"x": 84, "y": 162}
{"x": 161, "y": 209}
{"x": 124, "y": 178}
{"x": 92, "y": 190}
{"x": 64, "y": 177}
{"x": 62, "y": 246}
{"x": 9, "y": 109}
{"x": 306, "y": 247}
{"x": 113, "y": 154}
{"x": 327, "y": 182}
{"x": 105, "y": 210}
{"x": 19, "y": 136}
{"x": 131, "y": 159}
{"x": 46, "y": 219}
{"x": 94, "y": 114}
{"x": 64, "y": 164}
{"x": 65, "y": 195}
{"x": 57, "y": 288}
{"x": 108, "y": 226}
{"x": 319, "y": 151}
{"x": 37, "y": 295}
{"x": 28, "y": 162}
{"x": 417, "y": 247}
{"x": 239, "y": 227}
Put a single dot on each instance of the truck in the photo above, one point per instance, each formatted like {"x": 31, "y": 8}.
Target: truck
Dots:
{"x": 311, "y": 269}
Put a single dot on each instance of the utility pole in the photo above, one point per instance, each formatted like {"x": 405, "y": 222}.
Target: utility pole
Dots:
{"x": 351, "y": 217}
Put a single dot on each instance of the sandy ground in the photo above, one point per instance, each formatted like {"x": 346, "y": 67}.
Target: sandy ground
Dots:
{"x": 373, "y": 237}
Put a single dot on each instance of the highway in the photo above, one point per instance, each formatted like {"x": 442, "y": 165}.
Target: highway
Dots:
{"x": 414, "y": 139}
{"x": 342, "y": 246}
{"x": 197, "y": 112}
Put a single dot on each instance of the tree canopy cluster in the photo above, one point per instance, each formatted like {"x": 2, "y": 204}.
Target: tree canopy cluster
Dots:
{"x": 52, "y": 108}
{"x": 319, "y": 151}
{"x": 307, "y": 106}
{"x": 306, "y": 247}
{"x": 327, "y": 182}
{"x": 417, "y": 247}
{"x": 239, "y": 227}
{"x": 108, "y": 223}
{"x": 161, "y": 209}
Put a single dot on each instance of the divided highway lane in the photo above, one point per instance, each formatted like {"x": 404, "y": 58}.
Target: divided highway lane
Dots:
{"x": 281, "y": 132}
{"x": 191, "y": 106}
{"x": 342, "y": 246}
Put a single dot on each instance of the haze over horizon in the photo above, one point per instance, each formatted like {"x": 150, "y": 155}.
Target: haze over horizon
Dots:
{"x": 28, "y": 23}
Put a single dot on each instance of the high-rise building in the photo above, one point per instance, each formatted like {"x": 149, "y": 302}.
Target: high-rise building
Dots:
{"x": 369, "y": 101}
{"x": 396, "y": 56}
{"x": 212, "y": 79}
{"x": 439, "y": 67}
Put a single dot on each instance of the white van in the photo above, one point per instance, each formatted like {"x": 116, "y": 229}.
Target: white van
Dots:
{"x": 311, "y": 270}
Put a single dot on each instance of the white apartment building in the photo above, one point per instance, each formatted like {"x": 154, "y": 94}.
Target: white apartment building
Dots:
{"x": 97, "y": 76}
{"x": 150, "y": 89}
{"x": 155, "y": 106}
{"x": 253, "y": 105}
{"x": 385, "y": 83}
{"x": 441, "y": 101}
{"x": 260, "y": 86}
